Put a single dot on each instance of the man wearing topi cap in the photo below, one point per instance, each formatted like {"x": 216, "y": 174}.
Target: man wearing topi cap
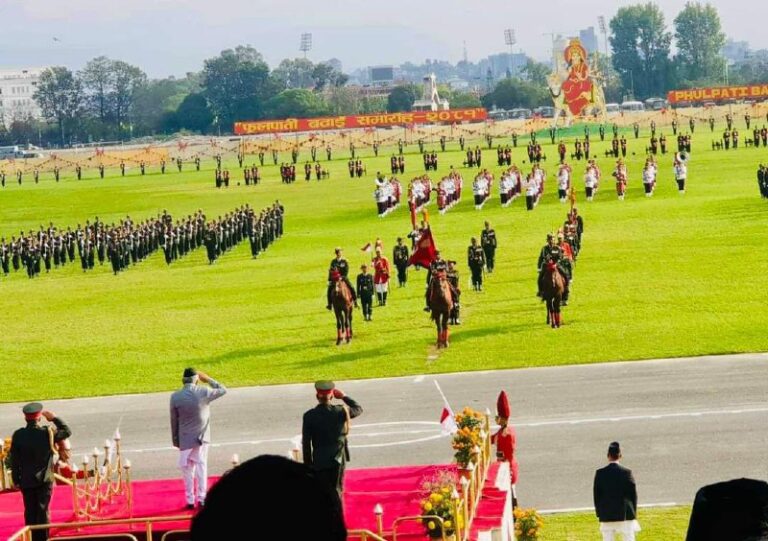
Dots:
{"x": 324, "y": 435}
{"x": 615, "y": 497}
{"x": 32, "y": 458}
{"x": 191, "y": 430}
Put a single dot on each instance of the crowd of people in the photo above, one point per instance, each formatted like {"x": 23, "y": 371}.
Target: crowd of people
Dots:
{"x": 226, "y": 232}
{"x": 419, "y": 192}
{"x": 481, "y": 188}
{"x": 534, "y": 186}
{"x": 510, "y": 185}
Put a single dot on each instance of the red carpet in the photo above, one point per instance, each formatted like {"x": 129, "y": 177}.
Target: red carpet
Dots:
{"x": 398, "y": 490}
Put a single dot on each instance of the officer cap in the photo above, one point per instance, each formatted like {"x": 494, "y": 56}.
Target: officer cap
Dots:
{"x": 190, "y": 372}
{"x": 363, "y": 266}
{"x": 33, "y": 409}
{"x": 324, "y": 386}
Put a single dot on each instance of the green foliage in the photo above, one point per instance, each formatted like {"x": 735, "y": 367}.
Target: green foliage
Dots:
{"x": 61, "y": 99}
{"x": 512, "y": 93}
{"x": 236, "y": 84}
{"x": 536, "y": 72}
{"x": 194, "y": 114}
{"x": 655, "y": 278}
{"x": 402, "y": 97}
{"x": 464, "y": 100}
{"x": 295, "y": 102}
{"x": 641, "y": 48}
{"x": 700, "y": 40}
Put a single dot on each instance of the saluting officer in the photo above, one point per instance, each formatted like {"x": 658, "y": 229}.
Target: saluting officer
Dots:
{"x": 32, "y": 458}
{"x": 324, "y": 435}
{"x": 476, "y": 262}
{"x": 488, "y": 242}
{"x": 400, "y": 258}
{"x": 340, "y": 265}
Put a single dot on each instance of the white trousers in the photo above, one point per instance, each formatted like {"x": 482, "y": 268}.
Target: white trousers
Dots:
{"x": 194, "y": 467}
{"x": 626, "y": 529}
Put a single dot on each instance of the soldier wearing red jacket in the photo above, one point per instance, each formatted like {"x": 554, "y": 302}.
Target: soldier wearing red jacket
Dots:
{"x": 506, "y": 440}
{"x": 381, "y": 271}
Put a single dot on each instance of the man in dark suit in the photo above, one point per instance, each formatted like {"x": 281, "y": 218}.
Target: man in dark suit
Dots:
{"x": 616, "y": 498}
{"x": 324, "y": 435}
{"x": 32, "y": 449}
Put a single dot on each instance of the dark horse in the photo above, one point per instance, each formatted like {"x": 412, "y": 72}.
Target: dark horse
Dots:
{"x": 341, "y": 300}
{"x": 552, "y": 289}
{"x": 440, "y": 304}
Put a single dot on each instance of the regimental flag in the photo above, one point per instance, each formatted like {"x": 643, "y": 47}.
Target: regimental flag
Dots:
{"x": 425, "y": 252}
{"x": 447, "y": 421}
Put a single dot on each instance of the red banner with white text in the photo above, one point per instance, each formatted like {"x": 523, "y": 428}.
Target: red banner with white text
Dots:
{"x": 719, "y": 93}
{"x": 376, "y": 120}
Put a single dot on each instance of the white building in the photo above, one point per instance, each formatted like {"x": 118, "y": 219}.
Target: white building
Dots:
{"x": 16, "y": 90}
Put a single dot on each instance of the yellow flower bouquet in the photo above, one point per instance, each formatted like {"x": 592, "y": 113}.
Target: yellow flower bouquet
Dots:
{"x": 528, "y": 524}
{"x": 439, "y": 502}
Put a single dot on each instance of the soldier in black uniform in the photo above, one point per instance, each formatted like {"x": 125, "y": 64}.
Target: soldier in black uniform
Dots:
{"x": 365, "y": 291}
{"x": 32, "y": 459}
{"x": 552, "y": 252}
{"x": 761, "y": 184}
{"x": 601, "y": 130}
{"x": 476, "y": 262}
{"x": 342, "y": 266}
{"x": 324, "y": 435}
{"x": 488, "y": 242}
{"x": 453, "y": 278}
{"x": 400, "y": 259}
{"x": 438, "y": 265}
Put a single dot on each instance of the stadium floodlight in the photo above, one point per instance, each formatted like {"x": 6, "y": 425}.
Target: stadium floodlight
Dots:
{"x": 306, "y": 43}
{"x": 509, "y": 37}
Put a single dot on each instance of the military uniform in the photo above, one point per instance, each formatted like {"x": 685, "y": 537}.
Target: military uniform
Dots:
{"x": 400, "y": 258}
{"x": 32, "y": 462}
{"x": 488, "y": 242}
{"x": 476, "y": 262}
{"x": 453, "y": 278}
{"x": 341, "y": 266}
{"x": 324, "y": 438}
{"x": 365, "y": 292}
{"x": 554, "y": 253}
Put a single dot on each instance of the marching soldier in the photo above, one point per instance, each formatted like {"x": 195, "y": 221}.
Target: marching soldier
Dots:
{"x": 122, "y": 169}
{"x": 488, "y": 242}
{"x": 101, "y": 170}
{"x": 365, "y": 289}
{"x": 32, "y": 459}
{"x": 162, "y": 166}
{"x": 324, "y": 435}
{"x": 179, "y": 163}
{"x": 400, "y": 258}
{"x": 381, "y": 277}
{"x": 476, "y": 262}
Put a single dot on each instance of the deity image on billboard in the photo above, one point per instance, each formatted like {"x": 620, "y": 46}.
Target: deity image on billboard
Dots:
{"x": 576, "y": 90}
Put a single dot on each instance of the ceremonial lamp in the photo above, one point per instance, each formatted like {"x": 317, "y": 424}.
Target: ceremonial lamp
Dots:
{"x": 379, "y": 512}
{"x": 100, "y": 484}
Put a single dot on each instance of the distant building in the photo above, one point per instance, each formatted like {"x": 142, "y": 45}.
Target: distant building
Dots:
{"x": 16, "y": 90}
{"x": 503, "y": 63}
{"x": 430, "y": 99}
{"x": 382, "y": 75}
{"x": 588, "y": 39}
{"x": 735, "y": 51}
{"x": 335, "y": 63}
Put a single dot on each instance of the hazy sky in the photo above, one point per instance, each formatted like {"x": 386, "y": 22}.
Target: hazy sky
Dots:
{"x": 171, "y": 37}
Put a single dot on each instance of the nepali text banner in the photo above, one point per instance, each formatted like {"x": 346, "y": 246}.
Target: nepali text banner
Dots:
{"x": 359, "y": 121}
{"x": 719, "y": 93}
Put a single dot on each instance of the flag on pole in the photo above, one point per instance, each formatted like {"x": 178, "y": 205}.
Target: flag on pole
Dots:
{"x": 447, "y": 421}
{"x": 425, "y": 252}
{"x": 366, "y": 248}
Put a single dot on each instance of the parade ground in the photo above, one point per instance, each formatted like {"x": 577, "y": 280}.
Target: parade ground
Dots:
{"x": 662, "y": 277}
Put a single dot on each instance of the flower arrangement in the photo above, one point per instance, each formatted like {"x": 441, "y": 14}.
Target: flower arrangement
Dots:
{"x": 439, "y": 502}
{"x": 467, "y": 438}
{"x": 528, "y": 524}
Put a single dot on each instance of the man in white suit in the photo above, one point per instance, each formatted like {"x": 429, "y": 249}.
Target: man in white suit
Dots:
{"x": 191, "y": 430}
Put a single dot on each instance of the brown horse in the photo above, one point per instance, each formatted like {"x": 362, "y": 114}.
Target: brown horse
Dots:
{"x": 552, "y": 290}
{"x": 440, "y": 304}
{"x": 341, "y": 300}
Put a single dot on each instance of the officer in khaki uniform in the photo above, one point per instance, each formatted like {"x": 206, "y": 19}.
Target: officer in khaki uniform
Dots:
{"x": 32, "y": 459}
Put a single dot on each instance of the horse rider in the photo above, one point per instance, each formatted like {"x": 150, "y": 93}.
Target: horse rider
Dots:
{"x": 453, "y": 279}
{"x": 437, "y": 266}
{"x": 339, "y": 270}
{"x": 476, "y": 262}
{"x": 553, "y": 252}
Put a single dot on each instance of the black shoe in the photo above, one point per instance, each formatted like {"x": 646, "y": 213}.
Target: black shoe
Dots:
{"x": 426, "y": 308}
{"x": 327, "y": 306}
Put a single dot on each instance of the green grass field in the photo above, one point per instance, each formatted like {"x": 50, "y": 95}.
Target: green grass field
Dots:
{"x": 662, "y": 277}
{"x": 664, "y": 524}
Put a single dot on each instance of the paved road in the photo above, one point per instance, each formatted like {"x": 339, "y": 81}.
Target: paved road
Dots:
{"x": 682, "y": 423}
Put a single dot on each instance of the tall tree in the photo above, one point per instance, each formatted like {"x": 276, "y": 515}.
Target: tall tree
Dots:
{"x": 98, "y": 79}
{"x": 641, "y": 49}
{"x": 194, "y": 114}
{"x": 402, "y": 97}
{"x": 512, "y": 93}
{"x": 128, "y": 80}
{"x": 236, "y": 84}
{"x": 60, "y": 96}
{"x": 326, "y": 75}
{"x": 294, "y": 73}
{"x": 700, "y": 39}
{"x": 536, "y": 72}
{"x": 295, "y": 102}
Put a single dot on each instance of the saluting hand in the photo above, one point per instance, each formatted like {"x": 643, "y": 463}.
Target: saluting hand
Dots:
{"x": 338, "y": 393}
{"x": 49, "y": 415}
{"x": 202, "y": 376}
